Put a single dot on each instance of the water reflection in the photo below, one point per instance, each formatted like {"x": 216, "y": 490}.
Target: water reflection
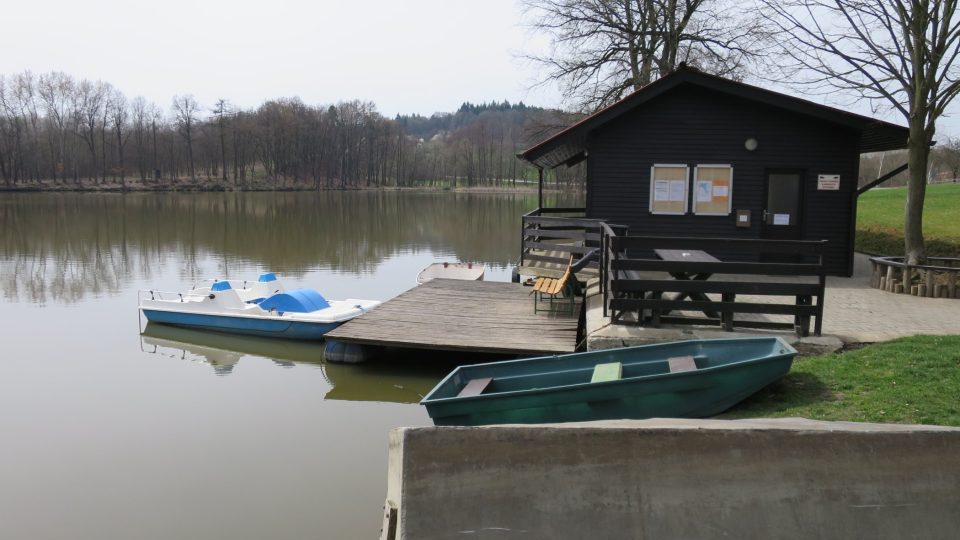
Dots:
{"x": 394, "y": 380}
{"x": 64, "y": 247}
{"x": 222, "y": 351}
{"x": 116, "y": 443}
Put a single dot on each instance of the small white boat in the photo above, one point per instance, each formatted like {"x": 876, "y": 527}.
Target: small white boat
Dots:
{"x": 260, "y": 308}
{"x": 448, "y": 270}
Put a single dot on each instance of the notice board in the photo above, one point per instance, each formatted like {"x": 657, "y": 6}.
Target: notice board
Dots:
{"x": 713, "y": 190}
{"x": 668, "y": 189}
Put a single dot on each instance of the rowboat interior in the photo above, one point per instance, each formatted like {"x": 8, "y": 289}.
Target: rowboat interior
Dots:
{"x": 596, "y": 367}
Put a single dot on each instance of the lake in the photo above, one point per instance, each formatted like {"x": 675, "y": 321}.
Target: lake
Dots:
{"x": 108, "y": 433}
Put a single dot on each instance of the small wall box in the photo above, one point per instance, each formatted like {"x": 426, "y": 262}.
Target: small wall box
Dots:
{"x": 743, "y": 218}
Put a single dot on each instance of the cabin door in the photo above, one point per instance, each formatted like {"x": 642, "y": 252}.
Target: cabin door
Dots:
{"x": 782, "y": 217}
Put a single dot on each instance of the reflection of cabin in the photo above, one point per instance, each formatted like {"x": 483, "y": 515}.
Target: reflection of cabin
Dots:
{"x": 700, "y": 156}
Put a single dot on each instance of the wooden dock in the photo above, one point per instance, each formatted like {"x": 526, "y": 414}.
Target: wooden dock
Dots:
{"x": 456, "y": 315}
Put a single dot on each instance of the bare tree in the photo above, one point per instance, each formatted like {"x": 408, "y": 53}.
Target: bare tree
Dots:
{"x": 141, "y": 117}
{"x": 221, "y": 111}
{"x": 948, "y": 157}
{"x": 119, "y": 115}
{"x": 156, "y": 120}
{"x": 185, "y": 109}
{"x": 56, "y": 92}
{"x": 897, "y": 53}
{"x": 8, "y": 135}
{"x": 104, "y": 122}
{"x": 90, "y": 105}
{"x": 602, "y": 49}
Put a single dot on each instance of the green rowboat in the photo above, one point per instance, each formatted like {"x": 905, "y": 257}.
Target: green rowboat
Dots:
{"x": 681, "y": 379}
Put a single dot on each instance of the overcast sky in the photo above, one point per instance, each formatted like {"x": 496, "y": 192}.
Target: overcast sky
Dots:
{"x": 407, "y": 56}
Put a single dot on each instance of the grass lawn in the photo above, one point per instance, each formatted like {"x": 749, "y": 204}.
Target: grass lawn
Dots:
{"x": 880, "y": 220}
{"x": 913, "y": 380}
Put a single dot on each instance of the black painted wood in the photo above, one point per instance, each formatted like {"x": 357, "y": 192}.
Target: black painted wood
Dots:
{"x": 692, "y": 125}
{"x": 628, "y": 285}
{"x": 717, "y": 287}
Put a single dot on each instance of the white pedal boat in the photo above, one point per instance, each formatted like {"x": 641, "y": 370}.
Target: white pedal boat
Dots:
{"x": 260, "y": 308}
{"x": 448, "y": 270}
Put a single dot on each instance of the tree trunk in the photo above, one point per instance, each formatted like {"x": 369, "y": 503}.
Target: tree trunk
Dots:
{"x": 918, "y": 153}
{"x": 123, "y": 173}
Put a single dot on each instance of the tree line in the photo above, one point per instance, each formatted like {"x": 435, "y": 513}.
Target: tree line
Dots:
{"x": 57, "y": 129}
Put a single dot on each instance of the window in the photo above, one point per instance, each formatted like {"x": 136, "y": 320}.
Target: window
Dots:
{"x": 712, "y": 190}
{"x": 668, "y": 189}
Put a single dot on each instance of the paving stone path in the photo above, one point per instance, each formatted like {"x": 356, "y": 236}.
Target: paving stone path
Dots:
{"x": 854, "y": 311}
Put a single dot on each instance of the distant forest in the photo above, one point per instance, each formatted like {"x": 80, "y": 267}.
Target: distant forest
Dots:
{"x": 62, "y": 131}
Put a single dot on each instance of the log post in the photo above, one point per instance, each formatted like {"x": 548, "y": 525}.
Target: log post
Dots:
{"x": 929, "y": 280}
{"x": 890, "y": 278}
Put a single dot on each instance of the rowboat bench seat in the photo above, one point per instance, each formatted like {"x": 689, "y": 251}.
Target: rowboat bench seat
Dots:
{"x": 679, "y": 364}
{"x": 475, "y": 387}
{"x": 612, "y": 371}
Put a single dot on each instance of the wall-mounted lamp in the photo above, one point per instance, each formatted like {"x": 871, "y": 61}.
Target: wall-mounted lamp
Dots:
{"x": 750, "y": 144}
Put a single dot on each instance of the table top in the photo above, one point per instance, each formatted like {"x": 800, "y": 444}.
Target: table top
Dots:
{"x": 689, "y": 255}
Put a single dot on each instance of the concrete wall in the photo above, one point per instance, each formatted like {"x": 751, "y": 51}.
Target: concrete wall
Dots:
{"x": 666, "y": 479}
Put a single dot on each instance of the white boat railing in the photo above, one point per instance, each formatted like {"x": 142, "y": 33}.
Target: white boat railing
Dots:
{"x": 201, "y": 284}
{"x": 167, "y": 296}
{"x": 239, "y": 284}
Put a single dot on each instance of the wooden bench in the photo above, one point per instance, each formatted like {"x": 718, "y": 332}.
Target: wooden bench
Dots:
{"x": 554, "y": 287}
{"x": 475, "y": 387}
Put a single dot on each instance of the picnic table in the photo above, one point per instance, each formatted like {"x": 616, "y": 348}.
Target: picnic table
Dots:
{"x": 694, "y": 255}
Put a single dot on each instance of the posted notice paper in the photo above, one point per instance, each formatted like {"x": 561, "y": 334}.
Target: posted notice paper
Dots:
{"x": 678, "y": 189}
{"x": 704, "y": 191}
{"x": 661, "y": 190}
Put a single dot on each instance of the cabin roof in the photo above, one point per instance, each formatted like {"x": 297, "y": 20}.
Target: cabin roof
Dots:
{"x": 570, "y": 145}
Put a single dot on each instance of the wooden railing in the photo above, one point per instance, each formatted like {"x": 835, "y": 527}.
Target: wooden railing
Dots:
{"x": 551, "y": 235}
{"x": 635, "y": 280}
{"x": 938, "y": 278}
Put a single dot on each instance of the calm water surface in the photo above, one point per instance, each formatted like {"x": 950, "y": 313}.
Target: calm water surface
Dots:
{"x": 107, "y": 433}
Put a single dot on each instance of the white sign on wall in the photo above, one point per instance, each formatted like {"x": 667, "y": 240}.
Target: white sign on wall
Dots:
{"x": 828, "y": 182}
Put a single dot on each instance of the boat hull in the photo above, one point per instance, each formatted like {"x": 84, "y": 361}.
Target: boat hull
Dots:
{"x": 463, "y": 271}
{"x": 694, "y": 394}
{"x": 242, "y": 325}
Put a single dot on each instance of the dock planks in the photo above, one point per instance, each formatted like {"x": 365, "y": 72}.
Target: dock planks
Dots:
{"x": 480, "y": 316}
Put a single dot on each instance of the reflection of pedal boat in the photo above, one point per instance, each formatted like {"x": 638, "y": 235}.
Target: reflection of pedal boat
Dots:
{"x": 223, "y": 351}
{"x": 383, "y": 383}
{"x": 261, "y": 308}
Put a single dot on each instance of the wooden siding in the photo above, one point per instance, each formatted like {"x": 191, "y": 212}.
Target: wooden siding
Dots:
{"x": 693, "y": 125}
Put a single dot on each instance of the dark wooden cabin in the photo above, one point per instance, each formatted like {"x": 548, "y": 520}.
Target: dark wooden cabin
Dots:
{"x": 698, "y": 155}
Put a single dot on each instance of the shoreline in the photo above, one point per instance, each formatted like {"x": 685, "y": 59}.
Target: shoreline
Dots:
{"x": 213, "y": 187}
